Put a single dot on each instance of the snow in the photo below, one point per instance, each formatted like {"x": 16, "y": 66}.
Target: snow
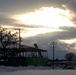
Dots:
{"x": 32, "y": 70}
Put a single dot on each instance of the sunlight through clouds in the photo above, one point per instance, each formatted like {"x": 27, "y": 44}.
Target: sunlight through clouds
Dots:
{"x": 35, "y": 31}
{"x": 49, "y": 17}
{"x": 68, "y": 41}
{"x": 70, "y": 44}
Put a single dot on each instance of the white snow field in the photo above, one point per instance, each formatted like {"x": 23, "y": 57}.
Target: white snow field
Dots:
{"x": 31, "y": 70}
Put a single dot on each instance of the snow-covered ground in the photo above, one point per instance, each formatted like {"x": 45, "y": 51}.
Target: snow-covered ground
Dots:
{"x": 31, "y": 70}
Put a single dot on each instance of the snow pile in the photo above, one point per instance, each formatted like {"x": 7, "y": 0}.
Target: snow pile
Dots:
{"x": 32, "y": 70}
{"x": 11, "y": 69}
{"x": 21, "y": 68}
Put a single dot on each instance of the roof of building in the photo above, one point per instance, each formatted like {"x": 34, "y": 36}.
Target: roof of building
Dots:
{"x": 25, "y": 49}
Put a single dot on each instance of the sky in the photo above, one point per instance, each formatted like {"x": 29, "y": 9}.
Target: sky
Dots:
{"x": 42, "y": 22}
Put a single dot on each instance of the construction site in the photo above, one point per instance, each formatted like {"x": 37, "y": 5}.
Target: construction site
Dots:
{"x": 23, "y": 57}
{"x": 14, "y": 53}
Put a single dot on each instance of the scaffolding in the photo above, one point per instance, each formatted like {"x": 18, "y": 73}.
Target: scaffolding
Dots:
{"x": 24, "y": 56}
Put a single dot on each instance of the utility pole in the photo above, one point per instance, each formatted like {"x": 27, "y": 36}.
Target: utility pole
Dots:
{"x": 53, "y": 46}
{"x": 19, "y": 38}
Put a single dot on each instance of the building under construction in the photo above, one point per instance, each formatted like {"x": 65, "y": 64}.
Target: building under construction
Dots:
{"x": 24, "y": 56}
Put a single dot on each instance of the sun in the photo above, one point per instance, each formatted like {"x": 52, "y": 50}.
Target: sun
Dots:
{"x": 48, "y": 18}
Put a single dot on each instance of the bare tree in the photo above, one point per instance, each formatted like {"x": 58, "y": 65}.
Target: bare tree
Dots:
{"x": 70, "y": 56}
{"x": 7, "y": 40}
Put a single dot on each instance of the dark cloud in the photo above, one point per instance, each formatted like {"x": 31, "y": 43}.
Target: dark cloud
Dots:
{"x": 6, "y": 21}
{"x": 28, "y": 5}
{"x": 72, "y": 5}
{"x": 19, "y": 6}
